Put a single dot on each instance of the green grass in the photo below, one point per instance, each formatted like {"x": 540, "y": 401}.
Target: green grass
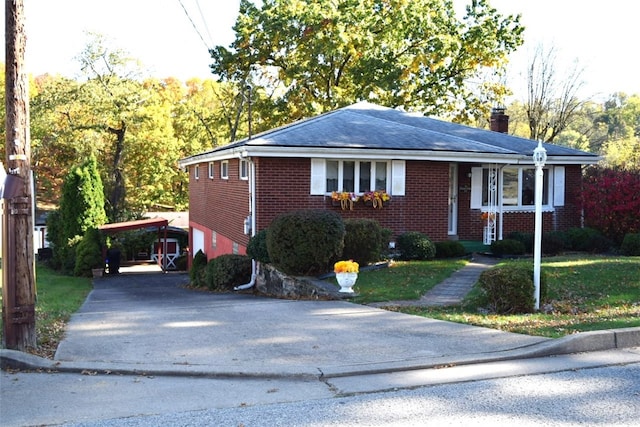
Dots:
{"x": 586, "y": 293}
{"x": 403, "y": 280}
{"x": 58, "y": 297}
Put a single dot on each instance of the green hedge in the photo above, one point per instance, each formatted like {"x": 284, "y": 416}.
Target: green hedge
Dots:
{"x": 225, "y": 272}
{"x": 197, "y": 271}
{"x": 509, "y": 289}
{"x": 631, "y": 244}
{"x": 365, "y": 240}
{"x": 414, "y": 245}
{"x": 305, "y": 242}
{"x": 449, "y": 249}
{"x": 507, "y": 247}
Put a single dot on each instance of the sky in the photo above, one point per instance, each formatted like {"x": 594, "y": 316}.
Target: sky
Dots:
{"x": 601, "y": 36}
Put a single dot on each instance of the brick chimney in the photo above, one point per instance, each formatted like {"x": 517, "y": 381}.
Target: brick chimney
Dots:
{"x": 499, "y": 120}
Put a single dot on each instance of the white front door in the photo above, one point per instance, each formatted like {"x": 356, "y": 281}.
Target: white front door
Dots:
{"x": 453, "y": 199}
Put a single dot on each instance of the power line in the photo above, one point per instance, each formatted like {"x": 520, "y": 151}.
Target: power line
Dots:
{"x": 194, "y": 25}
{"x": 204, "y": 21}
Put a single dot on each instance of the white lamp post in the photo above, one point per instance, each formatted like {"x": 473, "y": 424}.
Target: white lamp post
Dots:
{"x": 539, "y": 158}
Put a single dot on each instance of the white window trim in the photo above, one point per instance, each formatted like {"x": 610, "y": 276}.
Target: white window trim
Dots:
{"x": 196, "y": 172}
{"x": 356, "y": 175}
{"x": 224, "y": 169}
{"x": 211, "y": 167}
{"x": 395, "y": 177}
{"x": 555, "y": 197}
{"x": 243, "y": 169}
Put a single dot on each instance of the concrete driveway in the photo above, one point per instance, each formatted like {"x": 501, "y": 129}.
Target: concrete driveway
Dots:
{"x": 152, "y": 323}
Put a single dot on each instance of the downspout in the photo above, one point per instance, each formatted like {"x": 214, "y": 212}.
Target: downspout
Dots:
{"x": 252, "y": 222}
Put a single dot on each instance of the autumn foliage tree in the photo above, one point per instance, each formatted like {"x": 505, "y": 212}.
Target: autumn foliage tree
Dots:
{"x": 313, "y": 56}
{"x": 611, "y": 200}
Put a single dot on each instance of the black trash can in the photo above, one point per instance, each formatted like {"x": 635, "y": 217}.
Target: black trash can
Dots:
{"x": 113, "y": 257}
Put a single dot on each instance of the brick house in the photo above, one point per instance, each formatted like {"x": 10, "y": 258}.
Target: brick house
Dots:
{"x": 446, "y": 180}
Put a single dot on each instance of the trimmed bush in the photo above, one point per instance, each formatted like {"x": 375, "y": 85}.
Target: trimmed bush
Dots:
{"x": 553, "y": 243}
{"x": 197, "y": 271}
{"x": 181, "y": 263}
{"x": 449, "y": 249}
{"x": 89, "y": 253}
{"x": 631, "y": 244}
{"x": 226, "y": 271}
{"x": 257, "y": 247}
{"x": 305, "y": 242}
{"x": 414, "y": 245}
{"x": 509, "y": 289}
{"x": 588, "y": 240}
{"x": 507, "y": 247}
{"x": 364, "y": 240}
{"x": 525, "y": 238}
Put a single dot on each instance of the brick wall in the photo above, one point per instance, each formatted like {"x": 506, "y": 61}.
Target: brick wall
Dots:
{"x": 283, "y": 184}
{"x": 470, "y": 225}
{"x": 220, "y": 204}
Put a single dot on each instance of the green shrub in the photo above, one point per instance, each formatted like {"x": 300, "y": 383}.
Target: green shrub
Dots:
{"x": 509, "y": 289}
{"x": 588, "y": 240}
{"x": 226, "y": 271}
{"x": 305, "y": 242}
{"x": 553, "y": 243}
{"x": 89, "y": 253}
{"x": 364, "y": 240}
{"x": 181, "y": 263}
{"x": 525, "y": 238}
{"x": 257, "y": 247}
{"x": 197, "y": 271}
{"x": 449, "y": 249}
{"x": 507, "y": 247}
{"x": 631, "y": 244}
{"x": 414, "y": 245}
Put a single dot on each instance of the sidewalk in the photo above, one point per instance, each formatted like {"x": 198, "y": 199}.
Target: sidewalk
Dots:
{"x": 453, "y": 289}
{"x": 152, "y": 324}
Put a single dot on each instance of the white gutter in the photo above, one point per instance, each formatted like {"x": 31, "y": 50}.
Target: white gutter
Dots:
{"x": 252, "y": 215}
{"x": 363, "y": 153}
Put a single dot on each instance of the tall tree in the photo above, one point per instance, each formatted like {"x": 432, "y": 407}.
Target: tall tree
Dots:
{"x": 81, "y": 208}
{"x": 621, "y": 119}
{"x": 115, "y": 97}
{"x": 316, "y": 55}
{"x": 552, "y": 99}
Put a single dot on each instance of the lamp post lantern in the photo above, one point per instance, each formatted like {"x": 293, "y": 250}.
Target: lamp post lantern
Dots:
{"x": 539, "y": 158}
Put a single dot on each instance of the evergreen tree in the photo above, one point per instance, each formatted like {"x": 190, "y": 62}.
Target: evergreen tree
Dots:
{"x": 81, "y": 208}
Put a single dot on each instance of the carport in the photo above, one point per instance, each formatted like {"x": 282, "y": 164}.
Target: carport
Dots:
{"x": 160, "y": 223}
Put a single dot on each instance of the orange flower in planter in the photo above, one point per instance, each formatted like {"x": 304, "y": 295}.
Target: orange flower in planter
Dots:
{"x": 487, "y": 215}
{"x": 346, "y": 267}
{"x": 377, "y": 198}
{"x": 345, "y": 199}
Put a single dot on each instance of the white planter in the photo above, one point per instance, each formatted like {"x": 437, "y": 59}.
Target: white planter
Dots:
{"x": 346, "y": 281}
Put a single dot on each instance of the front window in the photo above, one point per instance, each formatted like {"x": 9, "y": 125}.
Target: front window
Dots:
{"x": 244, "y": 169}
{"x": 224, "y": 169}
{"x": 518, "y": 187}
{"x": 356, "y": 176}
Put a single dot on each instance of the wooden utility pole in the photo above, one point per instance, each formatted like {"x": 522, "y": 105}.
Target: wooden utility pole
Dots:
{"x": 18, "y": 268}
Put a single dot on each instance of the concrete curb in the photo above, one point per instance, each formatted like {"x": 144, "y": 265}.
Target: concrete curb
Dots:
{"x": 579, "y": 343}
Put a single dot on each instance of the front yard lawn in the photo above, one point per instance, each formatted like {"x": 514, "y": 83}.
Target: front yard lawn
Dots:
{"x": 586, "y": 293}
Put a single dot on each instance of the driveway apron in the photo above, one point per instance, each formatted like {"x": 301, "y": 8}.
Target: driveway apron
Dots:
{"x": 154, "y": 321}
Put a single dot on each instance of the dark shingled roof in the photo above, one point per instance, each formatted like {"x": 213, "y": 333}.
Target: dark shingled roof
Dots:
{"x": 368, "y": 126}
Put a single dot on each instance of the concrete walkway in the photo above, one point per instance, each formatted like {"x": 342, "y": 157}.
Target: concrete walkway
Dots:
{"x": 452, "y": 290}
